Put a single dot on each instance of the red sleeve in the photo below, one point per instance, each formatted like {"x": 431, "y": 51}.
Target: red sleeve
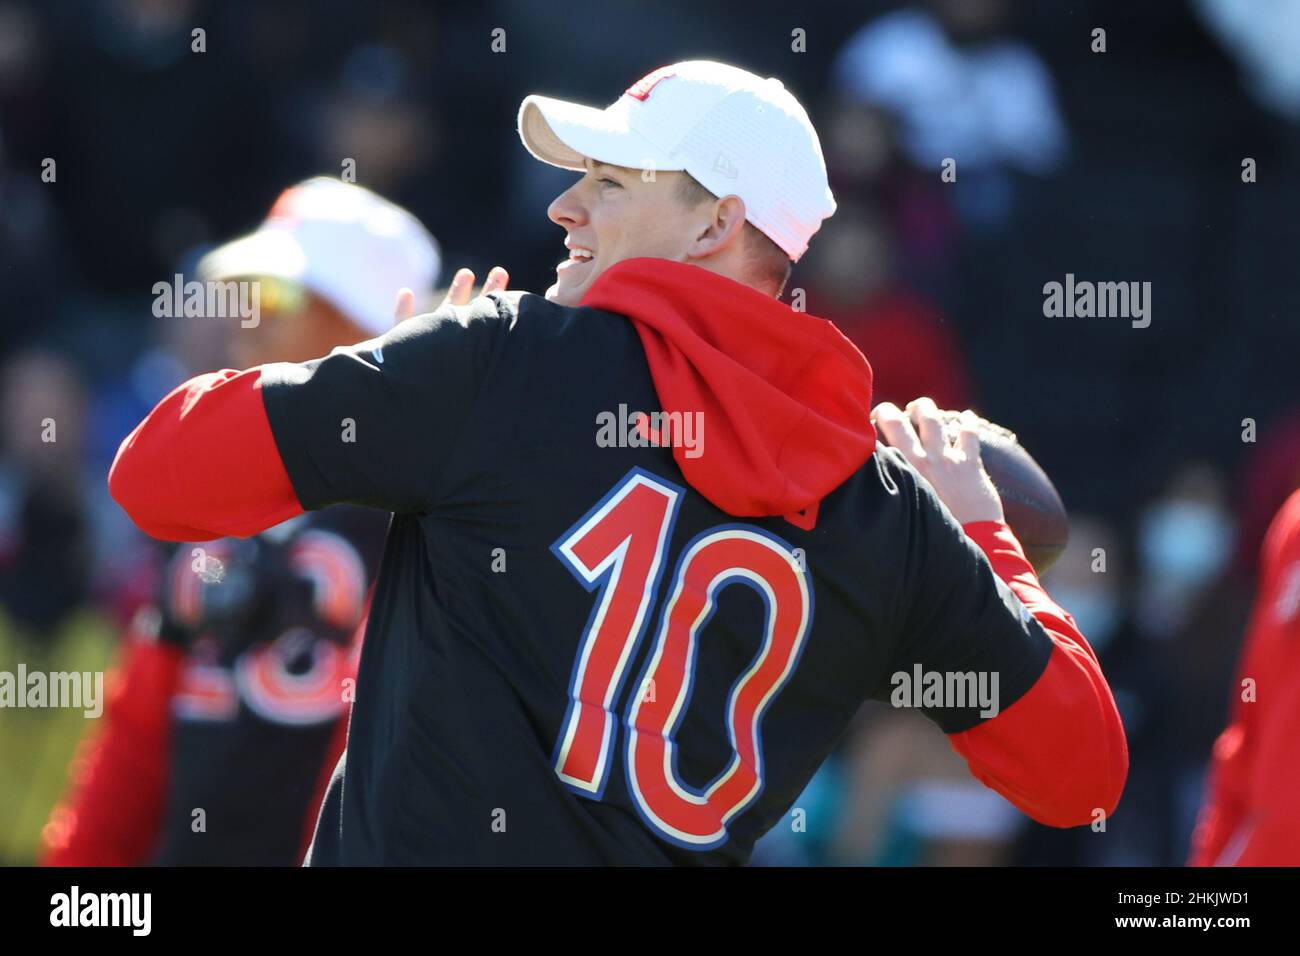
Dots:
{"x": 1059, "y": 752}
{"x": 112, "y": 814}
{"x": 204, "y": 463}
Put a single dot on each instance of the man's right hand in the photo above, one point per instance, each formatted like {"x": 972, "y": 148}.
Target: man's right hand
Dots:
{"x": 948, "y": 459}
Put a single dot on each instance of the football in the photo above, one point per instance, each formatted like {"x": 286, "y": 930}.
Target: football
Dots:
{"x": 1030, "y": 501}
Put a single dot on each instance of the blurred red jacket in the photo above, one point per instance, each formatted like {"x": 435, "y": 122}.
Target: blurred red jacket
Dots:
{"x": 1252, "y": 814}
{"x": 913, "y": 351}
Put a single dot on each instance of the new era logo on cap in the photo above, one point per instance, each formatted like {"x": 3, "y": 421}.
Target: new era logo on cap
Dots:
{"x": 701, "y": 117}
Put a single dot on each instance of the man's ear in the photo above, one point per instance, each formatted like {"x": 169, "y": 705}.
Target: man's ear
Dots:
{"x": 721, "y": 230}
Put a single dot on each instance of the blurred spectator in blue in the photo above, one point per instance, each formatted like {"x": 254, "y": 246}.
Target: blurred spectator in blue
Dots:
{"x": 1185, "y": 540}
{"x": 174, "y": 350}
{"x": 1264, "y": 36}
{"x": 1194, "y": 608}
{"x": 960, "y": 88}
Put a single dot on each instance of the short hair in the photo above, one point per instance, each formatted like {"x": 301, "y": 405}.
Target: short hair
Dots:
{"x": 769, "y": 263}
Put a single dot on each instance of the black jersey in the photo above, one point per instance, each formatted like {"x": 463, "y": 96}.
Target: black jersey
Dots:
{"x": 267, "y": 626}
{"x": 574, "y": 655}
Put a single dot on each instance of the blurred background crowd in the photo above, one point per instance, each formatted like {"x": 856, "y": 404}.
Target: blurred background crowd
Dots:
{"x": 1122, "y": 165}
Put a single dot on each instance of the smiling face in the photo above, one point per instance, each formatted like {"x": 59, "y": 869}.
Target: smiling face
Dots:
{"x": 612, "y": 213}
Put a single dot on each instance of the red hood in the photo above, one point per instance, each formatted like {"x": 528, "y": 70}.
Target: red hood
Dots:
{"x": 785, "y": 397}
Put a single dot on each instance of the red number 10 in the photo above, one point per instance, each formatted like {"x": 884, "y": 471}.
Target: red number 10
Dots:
{"x": 618, "y": 548}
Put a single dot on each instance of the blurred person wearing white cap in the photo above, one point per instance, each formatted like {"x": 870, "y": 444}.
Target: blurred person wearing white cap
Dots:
{"x": 557, "y": 668}
{"x": 232, "y": 688}
{"x": 329, "y": 258}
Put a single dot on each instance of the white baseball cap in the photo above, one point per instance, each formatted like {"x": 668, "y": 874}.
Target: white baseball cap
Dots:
{"x": 734, "y": 132}
{"x": 342, "y": 242}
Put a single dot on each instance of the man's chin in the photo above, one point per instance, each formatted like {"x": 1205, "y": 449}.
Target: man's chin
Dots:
{"x": 565, "y": 295}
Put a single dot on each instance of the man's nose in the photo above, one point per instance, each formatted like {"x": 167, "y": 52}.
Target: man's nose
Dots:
{"x": 566, "y": 210}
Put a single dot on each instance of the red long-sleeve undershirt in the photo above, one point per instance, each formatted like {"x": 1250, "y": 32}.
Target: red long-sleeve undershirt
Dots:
{"x": 1065, "y": 730}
